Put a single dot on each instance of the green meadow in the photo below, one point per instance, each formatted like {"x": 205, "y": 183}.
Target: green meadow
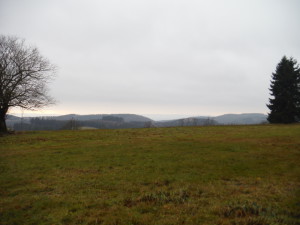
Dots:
{"x": 185, "y": 175}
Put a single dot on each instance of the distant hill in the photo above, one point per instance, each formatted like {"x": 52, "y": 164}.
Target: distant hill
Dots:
{"x": 245, "y": 118}
{"x": 125, "y": 117}
{"x": 226, "y": 119}
{"x": 114, "y": 121}
{"x": 11, "y": 120}
{"x": 185, "y": 122}
{"x": 11, "y": 117}
{"x": 74, "y": 121}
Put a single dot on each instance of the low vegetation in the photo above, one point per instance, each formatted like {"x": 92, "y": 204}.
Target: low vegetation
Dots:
{"x": 185, "y": 175}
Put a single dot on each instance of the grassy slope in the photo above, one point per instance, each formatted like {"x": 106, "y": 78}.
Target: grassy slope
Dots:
{"x": 201, "y": 175}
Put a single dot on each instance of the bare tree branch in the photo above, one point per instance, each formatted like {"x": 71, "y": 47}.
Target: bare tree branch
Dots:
{"x": 24, "y": 75}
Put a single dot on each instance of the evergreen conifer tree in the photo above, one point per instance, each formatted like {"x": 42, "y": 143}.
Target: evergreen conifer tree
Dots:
{"x": 285, "y": 91}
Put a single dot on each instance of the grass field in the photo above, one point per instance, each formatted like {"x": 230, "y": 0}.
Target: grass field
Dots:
{"x": 185, "y": 175}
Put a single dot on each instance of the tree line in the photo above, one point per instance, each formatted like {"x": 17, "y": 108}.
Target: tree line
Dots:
{"x": 107, "y": 122}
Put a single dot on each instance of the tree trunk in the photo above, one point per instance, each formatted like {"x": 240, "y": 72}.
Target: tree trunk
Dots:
{"x": 3, "y": 127}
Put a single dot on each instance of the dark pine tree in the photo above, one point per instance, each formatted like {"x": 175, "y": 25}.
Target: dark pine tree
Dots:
{"x": 285, "y": 91}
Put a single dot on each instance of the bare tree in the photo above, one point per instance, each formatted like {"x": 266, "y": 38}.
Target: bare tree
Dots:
{"x": 24, "y": 75}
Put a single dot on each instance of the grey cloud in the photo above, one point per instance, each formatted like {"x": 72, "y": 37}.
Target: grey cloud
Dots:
{"x": 207, "y": 57}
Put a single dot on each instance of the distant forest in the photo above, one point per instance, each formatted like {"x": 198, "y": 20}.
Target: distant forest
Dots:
{"x": 107, "y": 122}
{"x": 119, "y": 121}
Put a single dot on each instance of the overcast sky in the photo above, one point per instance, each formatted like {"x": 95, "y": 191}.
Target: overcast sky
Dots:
{"x": 146, "y": 57}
